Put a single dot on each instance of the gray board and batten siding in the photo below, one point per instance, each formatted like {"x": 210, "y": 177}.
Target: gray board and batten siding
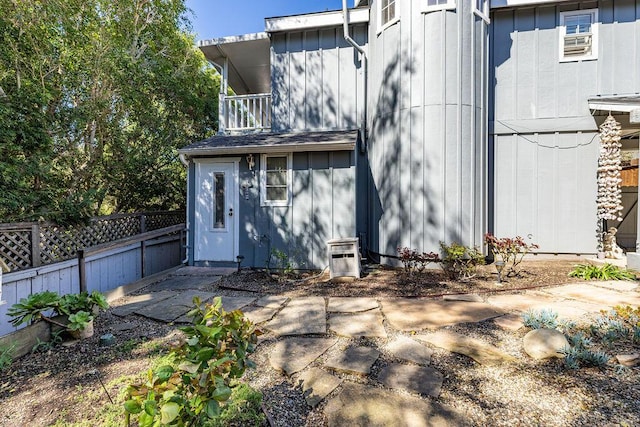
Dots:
{"x": 544, "y": 137}
{"x": 322, "y": 208}
{"x": 317, "y": 79}
{"x": 427, "y": 128}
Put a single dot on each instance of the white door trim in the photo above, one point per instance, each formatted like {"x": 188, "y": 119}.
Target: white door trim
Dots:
{"x": 235, "y": 162}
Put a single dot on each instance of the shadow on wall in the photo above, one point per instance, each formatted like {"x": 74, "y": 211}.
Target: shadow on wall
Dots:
{"x": 321, "y": 209}
{"x": 406, "y": 172}
{"x": 315, "y": 80}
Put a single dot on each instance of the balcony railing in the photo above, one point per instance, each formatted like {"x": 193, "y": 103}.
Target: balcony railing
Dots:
{"x": 245, "y": 112}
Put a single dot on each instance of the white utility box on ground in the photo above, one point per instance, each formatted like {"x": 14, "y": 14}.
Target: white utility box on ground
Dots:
{"x": 344, "y": 257}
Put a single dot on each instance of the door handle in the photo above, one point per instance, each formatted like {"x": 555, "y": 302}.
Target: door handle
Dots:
{"x": 230, "y": 211}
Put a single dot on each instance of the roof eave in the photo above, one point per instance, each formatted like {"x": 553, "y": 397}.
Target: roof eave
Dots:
{"x": 314, "y": 20}
{"x": 271, "y": 148}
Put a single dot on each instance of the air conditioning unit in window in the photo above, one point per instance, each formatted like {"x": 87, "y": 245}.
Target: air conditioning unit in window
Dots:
{"x": 577, "y": 44}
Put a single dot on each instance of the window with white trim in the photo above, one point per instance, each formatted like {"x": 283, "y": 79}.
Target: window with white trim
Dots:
{"x": 275, "y": 180}
{"x": 432, "y": 5}
{"x": 481, "y": 8}
{"x": 387, "y": 13}
{"x": 579, "y": 35}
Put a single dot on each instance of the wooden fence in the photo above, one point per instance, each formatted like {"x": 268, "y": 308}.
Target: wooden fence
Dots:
{"x": 101, "y": 268}
{"x": 33, "y": 244}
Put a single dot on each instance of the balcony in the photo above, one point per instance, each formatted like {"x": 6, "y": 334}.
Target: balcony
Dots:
{"x": 245, "y": 113}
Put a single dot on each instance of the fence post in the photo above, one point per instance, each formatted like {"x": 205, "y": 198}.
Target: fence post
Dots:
{"x": 36, "y": 257}
{"x": 143, "y": 223}
{"x": 82, "y": 271}
{"x": 143, "y": 256}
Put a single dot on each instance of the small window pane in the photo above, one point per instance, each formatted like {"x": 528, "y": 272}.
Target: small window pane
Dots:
{"x": 276, "y": 163}
{"x": 387, "y": 11}
{"x": 277, "y": 178}
{"x": 277, "y": 193}
{"x": 219, "y": 201}
{"x": 577, "y": 24}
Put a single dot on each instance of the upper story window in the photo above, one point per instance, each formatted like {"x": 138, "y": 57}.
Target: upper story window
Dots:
{"x": 579, "y": 35}
{"x": 431, "y": 5}
{"x": 481, "y": 8}
{"x": 388, "y": 14}
{"x": 275, "y": 182}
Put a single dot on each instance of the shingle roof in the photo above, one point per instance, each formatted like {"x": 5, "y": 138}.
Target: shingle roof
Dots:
{"x": 273, "y": 142}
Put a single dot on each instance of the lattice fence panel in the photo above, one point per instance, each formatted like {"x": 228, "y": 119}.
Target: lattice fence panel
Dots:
{"x": 15, "y": 248}
{"x": 110, "y": 229}
{"x": 157, "y": 220}
{"x": 59, "y": 243}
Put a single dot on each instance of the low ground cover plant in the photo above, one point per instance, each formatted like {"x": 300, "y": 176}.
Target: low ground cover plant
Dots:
{"x": 195, "y": 388}
{"x": 620, "y": 326}
{"x": 601, "y": 272}
{"x": 511, "y": 250}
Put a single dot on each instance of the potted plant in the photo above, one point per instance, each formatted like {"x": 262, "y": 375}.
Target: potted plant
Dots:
{"x": 73, "y": 312}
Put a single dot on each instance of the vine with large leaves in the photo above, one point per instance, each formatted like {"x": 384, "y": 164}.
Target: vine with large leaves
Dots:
{"x": 96, "y": 97}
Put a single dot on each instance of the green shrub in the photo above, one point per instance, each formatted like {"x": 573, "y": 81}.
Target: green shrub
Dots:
{"x": 601, "y": 272}
{"x": 43, "y": 305}
{"x": 460, "y": 262}
{"x": 415, "y": 261}
{"x": 510, "y": 250}
{"x": 31, "y": 309}
{"x": 193, "y": 389}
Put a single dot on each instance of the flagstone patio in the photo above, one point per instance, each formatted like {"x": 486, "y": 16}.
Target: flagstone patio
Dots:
{"x": 305, "y": 330}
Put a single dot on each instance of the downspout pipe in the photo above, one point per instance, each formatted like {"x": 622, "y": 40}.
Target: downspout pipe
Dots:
{"x": 183, "y": 160}
{"x": 363, "y": 53}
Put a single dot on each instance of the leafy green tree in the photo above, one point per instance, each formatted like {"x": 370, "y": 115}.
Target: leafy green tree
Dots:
{"x": 96, "y": 97}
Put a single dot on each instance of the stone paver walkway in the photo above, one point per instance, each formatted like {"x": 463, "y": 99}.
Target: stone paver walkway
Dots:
{"x": 401, "y": 391}
{"x": 414, "y": 314}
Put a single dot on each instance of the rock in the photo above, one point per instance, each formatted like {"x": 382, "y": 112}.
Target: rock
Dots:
{"x": 413, "y": 314}
{"x": 171, "y": 309}
{"x": 629, "y": 360}
{"x": 361, "y": 406}
{"x": 410, "y": 350}
{"x": 545, "y": 343}
{"x": 351, "y": 305}
{"x": 317, "y": 384}
{"x": 259, "y": 314}
{"x": 414, "y": 379}
{"x": 137, "y": 302}
{"x": 271, "y": 301}
{"x": 463, "y": 297}
{"x": 481, "y": 352}
{"x": 182, "y": 283}
{"x": 602, "y": 297}
{"x": 292, "y": 355}
{"x": 510, "y": 322}
{"x": 357, "y": 325}
{"x": 300, "y": 317}
{"x": 354, "y": 360}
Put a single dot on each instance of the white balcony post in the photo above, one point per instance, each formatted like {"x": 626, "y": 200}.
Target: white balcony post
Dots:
{"x": 222, "y": 99}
